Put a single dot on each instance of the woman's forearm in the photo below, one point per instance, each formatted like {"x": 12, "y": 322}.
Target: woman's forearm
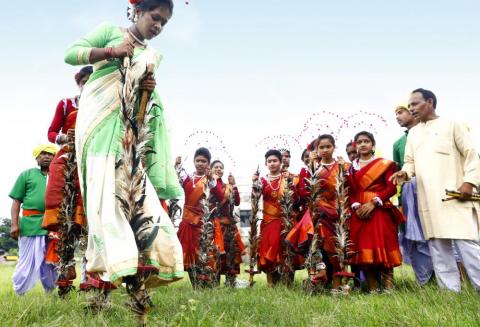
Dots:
{"x": 99, "y": 54}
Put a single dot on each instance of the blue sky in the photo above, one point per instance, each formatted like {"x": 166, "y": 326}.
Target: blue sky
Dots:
{"x": 250, "y": 69}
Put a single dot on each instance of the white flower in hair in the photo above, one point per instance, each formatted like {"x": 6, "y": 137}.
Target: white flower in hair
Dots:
{"x": 131, "y": 15}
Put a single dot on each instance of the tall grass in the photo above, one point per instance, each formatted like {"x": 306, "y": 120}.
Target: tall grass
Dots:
{"x": 179, "y": 305}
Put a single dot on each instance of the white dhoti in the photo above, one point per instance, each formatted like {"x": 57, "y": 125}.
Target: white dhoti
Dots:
{"x": 445, "y": 263}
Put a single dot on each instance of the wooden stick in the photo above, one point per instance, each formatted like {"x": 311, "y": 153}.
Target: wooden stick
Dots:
{"x": 145, "y": 97}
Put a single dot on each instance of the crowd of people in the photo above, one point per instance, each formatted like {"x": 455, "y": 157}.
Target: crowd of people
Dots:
{"x": 108, "y": 183}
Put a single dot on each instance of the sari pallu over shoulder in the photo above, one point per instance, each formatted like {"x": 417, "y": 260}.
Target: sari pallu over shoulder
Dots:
{"x": 189, "y": 229}
{"x": 192, "y": 209}
{"x": 325, "y": 209}
{"x": 370, "y": 173}
{"x": 101, "y": 99}
{"x": 112, "y": 250}
{"x": 365, "y": 185}
{"x": 374, "y": 239}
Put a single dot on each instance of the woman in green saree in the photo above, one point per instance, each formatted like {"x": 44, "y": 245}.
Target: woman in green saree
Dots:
{"x": 114, "y": 254}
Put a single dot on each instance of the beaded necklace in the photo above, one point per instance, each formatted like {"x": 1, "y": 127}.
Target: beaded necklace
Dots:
{"x": 142, "y": 43}
{"x": 274, "y": 190}
{"x": 193, "y": 179}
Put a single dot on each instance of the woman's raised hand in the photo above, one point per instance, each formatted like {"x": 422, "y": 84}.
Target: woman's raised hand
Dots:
{"x": 178, "y": 161}
{"x": 125, "y": 49}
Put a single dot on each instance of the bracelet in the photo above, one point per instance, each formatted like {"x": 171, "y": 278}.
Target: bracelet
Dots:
{"x": 109, "y": 53}
{"x": 321, "y": 266}
{"x": 57, "y": 139}
{"x": 375, "y": 202}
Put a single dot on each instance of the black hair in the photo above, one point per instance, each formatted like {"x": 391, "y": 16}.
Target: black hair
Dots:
{"x": 204, "y": 152}
{"x": 216, "y": 161}
{"x": 148, "y": 5}
{"x": 285, "y": 151}
{"x": 313, "y": 145}
{"x": 326, "y": 137}
{"x": 367, "y": 134}
{"x": 275, "y": 153}
{"x": 87, "y": 70}
{"x": 427, "y": 95}
{"x": 303, "y": 153}
{"x": 348, "y": 144}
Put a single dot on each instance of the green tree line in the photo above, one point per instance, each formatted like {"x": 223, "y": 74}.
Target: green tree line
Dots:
{"x": 6, "y": 242}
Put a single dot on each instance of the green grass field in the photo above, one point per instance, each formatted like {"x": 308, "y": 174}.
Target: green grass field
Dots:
{"x": 179, "y": 305}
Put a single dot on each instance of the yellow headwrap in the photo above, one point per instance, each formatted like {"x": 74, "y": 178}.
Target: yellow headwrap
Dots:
{"x": 401, "y": 107}
{"x": 48, "y": 147}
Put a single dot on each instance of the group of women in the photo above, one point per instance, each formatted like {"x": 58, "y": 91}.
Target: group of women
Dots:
{"x": 143, "y": 250}
{"x": 207, "y": 194}
{"x": 373, "y": 249}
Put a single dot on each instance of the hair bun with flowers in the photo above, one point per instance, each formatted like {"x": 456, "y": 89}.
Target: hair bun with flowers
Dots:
{"x": 131, "y": 9}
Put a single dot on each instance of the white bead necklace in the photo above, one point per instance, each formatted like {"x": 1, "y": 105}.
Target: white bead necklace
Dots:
{"x": 327, "y": 164}
{"x": 356, "y": 163}
{"x": 142, "y": 43}
{"x": 193, "y": 179}
{"x": 366, "y": 161}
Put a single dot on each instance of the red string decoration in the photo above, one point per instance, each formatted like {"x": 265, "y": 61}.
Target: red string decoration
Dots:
{"x": 341, "y": 127}
{"x": 211, "y": 141}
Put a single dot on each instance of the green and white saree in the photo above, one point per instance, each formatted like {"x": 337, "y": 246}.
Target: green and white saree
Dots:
{"x": 112, "y": 251}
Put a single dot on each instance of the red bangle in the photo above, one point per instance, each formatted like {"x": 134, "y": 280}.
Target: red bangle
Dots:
{"x": 109, "y": 53}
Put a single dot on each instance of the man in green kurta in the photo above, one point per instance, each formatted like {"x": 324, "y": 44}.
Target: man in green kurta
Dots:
{"x": 404, "y": 119}
{"x": 29, "y": 194}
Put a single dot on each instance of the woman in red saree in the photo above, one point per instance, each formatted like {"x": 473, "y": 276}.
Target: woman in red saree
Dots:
{"x": 300, "y": 187}
{"x": 190, "y": 227}
{"x": 375, "y": 220}
{"x": 327, "y": 169}
{"x": 224, "y": 197}
{"x": 270, "y": 249}
{"x": 62, "y": 131}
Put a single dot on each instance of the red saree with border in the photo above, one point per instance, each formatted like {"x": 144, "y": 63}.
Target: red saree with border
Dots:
{"x": 325, "y": 209}
{"x": 56, "y": 183}
{"x": 270, "y": 252}
{"x": 375, "y": 239}
{"x": 222, "y": 223}
{"x": 190, "y": 226}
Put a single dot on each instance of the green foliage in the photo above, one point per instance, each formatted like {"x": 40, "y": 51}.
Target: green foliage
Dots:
{"x": 6, "y": 242}
{"x": 179, "y": 305}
